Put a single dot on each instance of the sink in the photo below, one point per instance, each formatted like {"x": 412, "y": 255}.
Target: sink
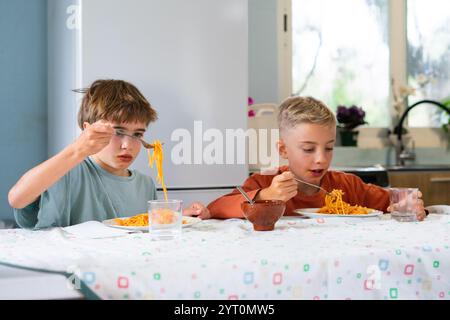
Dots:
{"x": 420, "y": 167}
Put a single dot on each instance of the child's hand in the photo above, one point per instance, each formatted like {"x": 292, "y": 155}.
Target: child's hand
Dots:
{"x": 94, "y": 138}
{"x": 197, "y": 209}
{"x": 419, "y": 208}
{"x": 283, "y": 188}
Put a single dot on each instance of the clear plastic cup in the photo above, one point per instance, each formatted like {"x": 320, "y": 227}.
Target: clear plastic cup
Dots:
{"x": 403, "y": 203}
{"x": 165, "y": 219}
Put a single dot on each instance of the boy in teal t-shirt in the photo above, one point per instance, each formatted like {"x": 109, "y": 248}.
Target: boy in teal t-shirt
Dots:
{"x": 90, "y": 179}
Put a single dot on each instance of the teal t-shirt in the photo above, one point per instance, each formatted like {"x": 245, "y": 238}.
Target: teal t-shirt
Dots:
{"x": 88, "y": 192}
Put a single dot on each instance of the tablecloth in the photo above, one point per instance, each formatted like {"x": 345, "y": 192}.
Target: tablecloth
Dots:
{"x": 301, "y": 259}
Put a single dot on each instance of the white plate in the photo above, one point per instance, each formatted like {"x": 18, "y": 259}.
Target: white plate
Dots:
{"x": 312, "y": 213}
{"x": 188, "y": 221}
{"x": 439, "y": 209}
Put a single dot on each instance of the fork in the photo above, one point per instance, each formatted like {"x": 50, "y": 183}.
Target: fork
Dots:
{"x": 313, "y": 185}
{"x": 144, "y": 143}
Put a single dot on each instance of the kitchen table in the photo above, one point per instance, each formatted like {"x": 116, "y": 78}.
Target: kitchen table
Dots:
{"x": 339, "y": 258}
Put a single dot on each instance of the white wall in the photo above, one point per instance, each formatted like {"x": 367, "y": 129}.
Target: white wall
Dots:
{"x": 23, "y": 96}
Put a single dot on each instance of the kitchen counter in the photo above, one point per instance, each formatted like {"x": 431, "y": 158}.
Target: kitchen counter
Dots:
{"x": 432, "y": 180}
{"x": 376, "y": 174}
{"x": 419, "y": 167}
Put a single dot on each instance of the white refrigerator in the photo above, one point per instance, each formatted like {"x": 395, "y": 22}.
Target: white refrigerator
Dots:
{"x": 189, "y": 58}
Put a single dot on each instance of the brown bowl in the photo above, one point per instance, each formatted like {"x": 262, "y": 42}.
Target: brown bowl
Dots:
{"x": 263, "y": 214}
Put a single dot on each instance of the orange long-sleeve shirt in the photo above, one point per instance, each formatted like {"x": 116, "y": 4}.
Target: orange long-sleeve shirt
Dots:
{"x": 356, "y": 192}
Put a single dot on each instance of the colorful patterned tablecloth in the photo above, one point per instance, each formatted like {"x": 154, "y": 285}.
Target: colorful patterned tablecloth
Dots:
{"x": 301, "y": 259}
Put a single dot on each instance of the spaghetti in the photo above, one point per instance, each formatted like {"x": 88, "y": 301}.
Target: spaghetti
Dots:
{"x": 335, "y": 205}
{"x": 141, "y": 220}
{"x": 158, "y": 157}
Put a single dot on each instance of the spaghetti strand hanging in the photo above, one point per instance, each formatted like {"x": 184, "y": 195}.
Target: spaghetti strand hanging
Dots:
{"x": 158, "y": 157}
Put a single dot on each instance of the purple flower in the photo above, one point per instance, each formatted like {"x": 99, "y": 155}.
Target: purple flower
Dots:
{"x": 250, "y": 101}
{"x": 251, "y": 113}
{"x": 350, "y": 118}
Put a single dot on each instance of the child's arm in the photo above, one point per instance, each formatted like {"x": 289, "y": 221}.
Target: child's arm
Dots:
{"x": 33, "y": 183}
{"x": 197, "y": 209}
{"x": 258, "y": 187}
{"x": 357, "y": 192}
{"x": 375, "y": 197}
{"x": 229, "y": 206}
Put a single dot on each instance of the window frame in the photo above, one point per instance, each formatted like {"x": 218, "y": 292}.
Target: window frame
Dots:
{"x": 397, "y": 43}
{"x": 371, "y": 137}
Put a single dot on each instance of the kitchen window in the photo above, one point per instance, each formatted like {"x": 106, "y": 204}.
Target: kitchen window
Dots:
{"x": 340, "y": 53}
{"x": 347, "y": 51}
{"x": 428, "y": 58}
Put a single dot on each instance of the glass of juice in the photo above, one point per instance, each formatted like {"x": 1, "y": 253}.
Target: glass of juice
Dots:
{"x": 165, "y": 219}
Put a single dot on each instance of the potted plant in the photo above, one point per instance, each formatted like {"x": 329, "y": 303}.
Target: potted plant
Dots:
{"x": 349, "y": 118}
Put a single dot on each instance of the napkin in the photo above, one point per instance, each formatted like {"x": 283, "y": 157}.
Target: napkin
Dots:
{"x": 95, "y": 230}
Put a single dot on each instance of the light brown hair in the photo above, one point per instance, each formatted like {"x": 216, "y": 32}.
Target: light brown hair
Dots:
{"x": 296, "y": 110}
{"x": 115, "y": 101}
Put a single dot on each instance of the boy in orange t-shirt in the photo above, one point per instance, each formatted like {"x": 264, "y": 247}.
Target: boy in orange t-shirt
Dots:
{"x": 307, "y": 138}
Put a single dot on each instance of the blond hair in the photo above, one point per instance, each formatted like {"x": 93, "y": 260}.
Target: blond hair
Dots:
{"x": 116, "y": 101}
{"x": 297, "y": 110}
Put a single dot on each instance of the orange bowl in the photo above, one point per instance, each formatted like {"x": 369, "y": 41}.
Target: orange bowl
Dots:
{"x": 263, "y": 214}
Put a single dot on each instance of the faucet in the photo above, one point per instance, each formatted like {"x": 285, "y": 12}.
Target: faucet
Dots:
{"x": 401, "y": 153}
